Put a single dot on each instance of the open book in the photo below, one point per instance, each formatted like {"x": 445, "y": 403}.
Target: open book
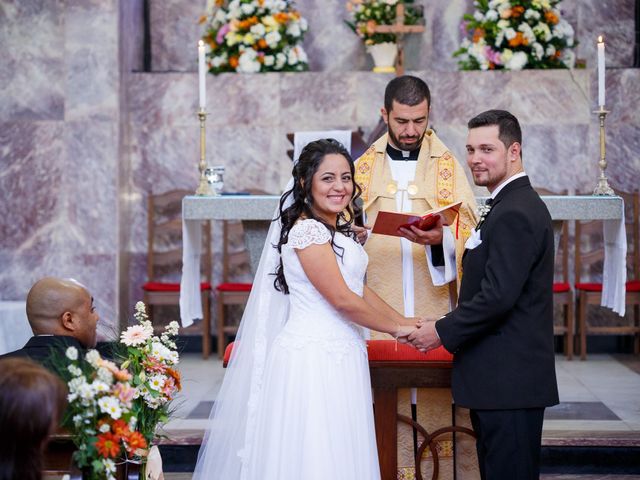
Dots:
{"x": 388, "y": 223}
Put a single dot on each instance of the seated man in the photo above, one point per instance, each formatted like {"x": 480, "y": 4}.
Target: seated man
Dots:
{"x": 61, "y": 315}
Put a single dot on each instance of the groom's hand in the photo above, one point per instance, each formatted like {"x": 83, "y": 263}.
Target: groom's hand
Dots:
{"x": 425, "y": 337}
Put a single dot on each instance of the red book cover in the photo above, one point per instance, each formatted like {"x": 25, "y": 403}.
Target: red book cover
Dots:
{"x": 388, "y": 223}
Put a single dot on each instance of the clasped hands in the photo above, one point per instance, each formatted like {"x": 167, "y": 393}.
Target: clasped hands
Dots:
{"x": 421, "y": 334}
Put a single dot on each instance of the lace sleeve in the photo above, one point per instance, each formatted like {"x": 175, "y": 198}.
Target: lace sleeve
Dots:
{"x": 308, "y": 232}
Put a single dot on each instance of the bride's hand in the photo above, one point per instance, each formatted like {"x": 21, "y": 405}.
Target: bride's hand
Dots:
{"x": 402, "y": 332}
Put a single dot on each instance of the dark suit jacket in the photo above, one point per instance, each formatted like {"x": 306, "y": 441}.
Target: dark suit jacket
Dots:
{"x": 501, "y": 333}
{"x": 43, "y": 349}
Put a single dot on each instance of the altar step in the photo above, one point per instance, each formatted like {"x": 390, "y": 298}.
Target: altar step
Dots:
{"x": 575, "y": 453}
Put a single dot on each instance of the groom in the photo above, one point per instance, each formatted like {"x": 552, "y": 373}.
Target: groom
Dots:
{"x": 501, "y": 333}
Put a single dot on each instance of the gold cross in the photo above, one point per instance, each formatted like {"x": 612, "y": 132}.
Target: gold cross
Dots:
{"x": 399, "y": 29}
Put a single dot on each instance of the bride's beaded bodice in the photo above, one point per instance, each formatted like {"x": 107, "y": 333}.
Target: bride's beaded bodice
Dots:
{"x": 311, "y": 317}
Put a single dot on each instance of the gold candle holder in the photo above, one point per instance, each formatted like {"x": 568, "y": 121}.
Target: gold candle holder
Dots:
{"x": 603, "y": 187}
{"x": 204, "y": 188}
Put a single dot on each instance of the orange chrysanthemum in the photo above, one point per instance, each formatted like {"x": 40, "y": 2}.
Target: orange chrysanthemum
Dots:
{"x": 478, "y": 34}
{"x": 233, "y": 62}
{"x": 108, "y": 445}
{"x": 518, "y": 40}
{"x": 281, "y": 17}
{"x": 551, "y": 17}
{"x": 262, "y": 43}
{"x": 134, "y": 441}
{"x": 120, "y": 428}
{"x": 517, "y": 11}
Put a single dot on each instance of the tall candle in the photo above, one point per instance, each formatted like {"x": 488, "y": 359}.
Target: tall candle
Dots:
{"x": 202, "y": 75}
{"x": 601, "y": 71}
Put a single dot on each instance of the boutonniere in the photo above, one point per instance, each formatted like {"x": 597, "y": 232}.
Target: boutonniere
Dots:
{"x": 483, "y": 211}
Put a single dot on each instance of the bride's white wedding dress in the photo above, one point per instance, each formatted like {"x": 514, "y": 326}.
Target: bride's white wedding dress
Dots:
{"x": 315, "y": 418}
{"x": 295, "y": 403}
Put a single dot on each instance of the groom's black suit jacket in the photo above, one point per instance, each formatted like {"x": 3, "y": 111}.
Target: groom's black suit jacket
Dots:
{"x": 45, "y": 348}
{"x": 501, "y": 333}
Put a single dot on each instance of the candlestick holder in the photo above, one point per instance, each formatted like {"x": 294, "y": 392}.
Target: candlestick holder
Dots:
{"x": 204, "y": 188}
{"x": 603, "y": 187}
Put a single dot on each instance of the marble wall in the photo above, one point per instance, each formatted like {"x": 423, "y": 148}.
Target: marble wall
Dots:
{"x": 59, "y": 131}
{"x": 84, "y": 138}
{"x": 332, "y": 46}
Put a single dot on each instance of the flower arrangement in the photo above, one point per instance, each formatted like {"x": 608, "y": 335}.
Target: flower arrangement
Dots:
{"x": 251, "y": 36}
{"x": 151, "y": 361}
{"x": 516, "y": 34}
{"x": 366, "y": 15}
{"x": 100, "y": 413}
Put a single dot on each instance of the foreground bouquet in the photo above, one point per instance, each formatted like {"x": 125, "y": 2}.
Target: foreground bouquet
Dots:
{"x": 251, "y": 36}
{"x": 151, "y": 361}
{"x": 516, "y": 34}
{"x": 366, "y": 15}
{"x": 100, "y": 414}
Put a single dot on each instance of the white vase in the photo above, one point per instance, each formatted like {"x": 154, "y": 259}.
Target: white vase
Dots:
{"x": 384, "y": 56}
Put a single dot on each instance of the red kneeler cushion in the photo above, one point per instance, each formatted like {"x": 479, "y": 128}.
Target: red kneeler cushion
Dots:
{"x": 381, "y": 350}
{"x": 234, "y": 287}
{"x": 561, "y": 287}
{"x": 170, "y": 287}
{"x": 632, "y": 286}
{"x": 390, "y": 350}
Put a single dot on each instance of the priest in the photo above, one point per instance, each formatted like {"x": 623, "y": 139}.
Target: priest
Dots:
{"x": 409, "y": 169}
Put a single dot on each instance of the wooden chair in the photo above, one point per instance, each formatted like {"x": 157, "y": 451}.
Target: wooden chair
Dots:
{"x": 227, "y": 292}
{"x": 588, "y": 262}
{"x": 562, "y": 291}
{"x": 164, "y": 258}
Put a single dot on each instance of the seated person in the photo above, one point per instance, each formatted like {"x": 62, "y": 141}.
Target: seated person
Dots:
{"x": 32, "y": 401}
{"x": 61, "y": 314}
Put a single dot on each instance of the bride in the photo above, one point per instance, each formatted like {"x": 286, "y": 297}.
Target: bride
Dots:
{"x": 296, "y": 402}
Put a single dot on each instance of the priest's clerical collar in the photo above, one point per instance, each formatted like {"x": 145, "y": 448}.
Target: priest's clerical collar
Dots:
{"x": 406, "y": 155}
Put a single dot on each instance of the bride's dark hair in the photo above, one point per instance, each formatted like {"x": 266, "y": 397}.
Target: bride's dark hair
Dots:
{"x": 303, "y": 171}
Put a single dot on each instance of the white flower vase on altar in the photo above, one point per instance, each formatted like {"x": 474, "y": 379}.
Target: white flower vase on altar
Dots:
{"x": 384, "y": 56}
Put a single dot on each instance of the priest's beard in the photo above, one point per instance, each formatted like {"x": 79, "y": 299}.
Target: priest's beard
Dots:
{"x": 402, "y": 145}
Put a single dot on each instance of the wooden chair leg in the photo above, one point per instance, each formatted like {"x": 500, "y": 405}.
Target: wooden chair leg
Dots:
{"x": 206, "y": 324}
{"x": 582, "y": 314}
{"x": 220, "y": 325}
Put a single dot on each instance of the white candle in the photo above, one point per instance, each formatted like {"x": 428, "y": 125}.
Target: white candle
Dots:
{"x": 202, "y": 72}
{"x": 601, "y": 71}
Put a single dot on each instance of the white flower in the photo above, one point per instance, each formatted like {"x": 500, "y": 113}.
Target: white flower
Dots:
{"x": 110, "y": 406}
{"x": 109, "y": 465}
{"x": 503, "y": 24}
{"x": 516, "y": 62}
{"x": 99, "y": 386}
{"x": 74, "y": 370}
{"x": 491, "y": 15}
{"x": 258, "y": 30}
{"x": 551, "y": 50}
{"x": 158, "y": 350}
{"x": 218, "y": 61}
{"x": 531, "y": 14}
{"x": 477, "y": 15}
{"x": 294, "y": 29}
{"x": 272, "y": 38}
{"x": 141, "y": 308}
{"x": 247, "y": 8}
{"x": 92, "y": 357}
{"x": 538, "y": 51}
{"x": 568, "y": 58}
{"x": 104, "y": 428}
{"x": 72, "y": 353}
{"x": 247, "y": 63}
{"x": 280, "y": 60}
{"x": 510, "y": 33}
{"x": 105, "y": 376}
{"x": 542, "y": 31}
{"x": 134, "y": 336}
{"x": 156, "y": 382}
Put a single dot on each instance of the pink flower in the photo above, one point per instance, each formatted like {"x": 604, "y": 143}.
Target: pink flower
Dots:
{"x": 125, "y": 393}
{"x": 222, "y": 32}
{"x": 135, "y": 335}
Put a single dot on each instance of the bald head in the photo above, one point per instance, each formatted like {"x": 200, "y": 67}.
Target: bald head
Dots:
{"x": 57, "y": 306}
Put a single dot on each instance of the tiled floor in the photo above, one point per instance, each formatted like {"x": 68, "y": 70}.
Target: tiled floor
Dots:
{"x": 600, "y": 395}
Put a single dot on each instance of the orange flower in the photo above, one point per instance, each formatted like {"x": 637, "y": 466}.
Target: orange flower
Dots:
{"x": 506, "y": 13}
{"x": 281, "y": 17}
{"x": 551, "y": 17}
{"x": 120, "y": 428}
{"x": 134, "y": 441}
{"x": 219, "y": 3}
{"x": 261, "y": 2}
{"x": 558, "y": 54}
{"x": 262, "y": 43}
{"x": 517, "y": 11}
{"x": 371, "y": 27}
{"x": 233, "y": 62}
{"x": 478, "y": 33}
{"x": 518, "y": 40}
{"x": 202, "y": 19}
{"x": 253, "y": 20}
{"x": 108, "y": 445}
